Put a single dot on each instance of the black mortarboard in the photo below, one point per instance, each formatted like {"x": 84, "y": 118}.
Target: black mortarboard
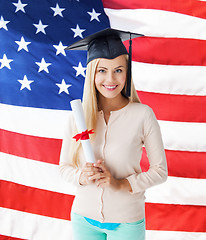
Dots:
{"x": 107, "y": 44}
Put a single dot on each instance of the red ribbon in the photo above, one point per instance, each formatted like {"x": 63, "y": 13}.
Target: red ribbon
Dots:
{"x": 84, "y": 135}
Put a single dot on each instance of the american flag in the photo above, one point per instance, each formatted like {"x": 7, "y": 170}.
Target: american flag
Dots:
{"x": 38, "y": 78}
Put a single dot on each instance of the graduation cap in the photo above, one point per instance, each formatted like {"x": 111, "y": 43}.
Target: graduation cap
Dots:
{"x": 107, "y": 44}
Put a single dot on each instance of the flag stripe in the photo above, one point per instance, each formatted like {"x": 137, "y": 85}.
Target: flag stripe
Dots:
{"x": 169, "y": 79}
{"x": 34, "y": 174}
{"x": 172, "y": 235}
{"x": 193, "y": 8}
{"x": 169, "y": 51}
{"x": 174, "y": 158}
{"x": 171, "y": 107}
{"x": 176, "y": 191}
{"x": 184, "y": 136}
{"x": 46, "y": 203}
{"x": 177, "y": 160}
{"x": 168, "y": 217}
{"x": 40, "y": 122}
{"x": 32, "y": 147}
{"x": 3, "y": 237}
{"x": 46, "y": 176}
{"x": 32, "y": 226}
{"x": 157, "y": 23}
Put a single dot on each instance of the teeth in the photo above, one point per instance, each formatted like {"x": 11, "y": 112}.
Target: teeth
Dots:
{"x": 110, "y": 87}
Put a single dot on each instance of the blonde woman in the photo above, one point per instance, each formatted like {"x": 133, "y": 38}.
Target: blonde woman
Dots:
{"x": 109, "y": 202}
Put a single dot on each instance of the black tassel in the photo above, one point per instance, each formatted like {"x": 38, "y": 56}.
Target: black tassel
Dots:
{"x": 129, "y": 71}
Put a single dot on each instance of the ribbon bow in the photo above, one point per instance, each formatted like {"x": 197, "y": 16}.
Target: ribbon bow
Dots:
{"x": 84, "y": 135}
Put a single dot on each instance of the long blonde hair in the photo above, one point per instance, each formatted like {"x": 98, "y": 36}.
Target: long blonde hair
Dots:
{"x": 90, "y": 105}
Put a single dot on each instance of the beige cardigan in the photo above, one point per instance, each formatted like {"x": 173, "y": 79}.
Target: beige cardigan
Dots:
{"x": 120, "y": 144}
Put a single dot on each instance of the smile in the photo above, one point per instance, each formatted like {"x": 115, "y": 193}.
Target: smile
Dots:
{"x": 110, "y": 87}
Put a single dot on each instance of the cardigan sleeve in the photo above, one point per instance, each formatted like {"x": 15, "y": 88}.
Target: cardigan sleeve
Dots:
{"x": 152, "y": 140}
{"x": 67, "y": 170}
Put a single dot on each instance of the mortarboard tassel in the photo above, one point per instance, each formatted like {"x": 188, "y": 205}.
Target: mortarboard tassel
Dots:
{"x": 129, "y": 72}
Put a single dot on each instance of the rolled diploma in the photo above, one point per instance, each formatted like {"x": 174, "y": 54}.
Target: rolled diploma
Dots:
{"x": 77, "y": 110}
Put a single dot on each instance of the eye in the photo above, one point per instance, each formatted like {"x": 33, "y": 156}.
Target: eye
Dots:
{"x": 101, "y": 71}
{"x": 118, "y": 70}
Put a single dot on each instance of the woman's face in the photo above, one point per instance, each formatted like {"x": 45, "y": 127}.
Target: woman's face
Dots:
{"x": 110, "y": 76}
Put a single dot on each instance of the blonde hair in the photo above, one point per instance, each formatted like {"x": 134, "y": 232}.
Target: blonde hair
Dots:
{"x": 90, "y": 105}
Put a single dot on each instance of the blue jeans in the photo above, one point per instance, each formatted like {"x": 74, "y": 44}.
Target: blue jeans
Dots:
{"x": 83, "y": 230}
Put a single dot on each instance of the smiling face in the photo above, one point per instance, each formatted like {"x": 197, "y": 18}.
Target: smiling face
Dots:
{"x": 110, "y": 77}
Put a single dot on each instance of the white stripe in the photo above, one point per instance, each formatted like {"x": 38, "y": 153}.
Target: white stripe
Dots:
{"x": 33, "y": 227}
{"x": 33, "y": 174}
{"x": 157, "y": 23}
{"x": 34, "y": 121}
{"x": 46, "y": 176}
{"x": 184, "y": 136}
{"x": 178, "y": 191}
{"x": 171, "y": 235}
{"x": 51, "y": 123}
{"x": 168, "y": 79}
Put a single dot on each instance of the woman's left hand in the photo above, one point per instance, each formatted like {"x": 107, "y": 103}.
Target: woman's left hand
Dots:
{"x": 104, "y": 178}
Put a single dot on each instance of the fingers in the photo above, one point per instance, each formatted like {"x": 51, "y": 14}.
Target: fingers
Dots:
{"x": 101, "y": 165}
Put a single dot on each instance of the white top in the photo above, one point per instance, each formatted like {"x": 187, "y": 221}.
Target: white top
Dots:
{"x": 119, "y": 143}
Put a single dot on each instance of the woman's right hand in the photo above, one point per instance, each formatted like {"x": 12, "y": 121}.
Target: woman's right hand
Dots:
{"x": 88, "y": 171}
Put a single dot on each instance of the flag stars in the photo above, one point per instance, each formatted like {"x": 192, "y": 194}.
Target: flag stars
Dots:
{"x": 5, "y": 62}
{"x": 22, "y": 44}
{"x": 80, "y": 70}
{"x": 77, "y": 31}
{"x": 20, "y": 6}
{"x": 63, "y": 87}
{"x": 25, "y": 83}
{"x": 40, "y": 27}
{"x": 3, "y": 23}
{"x": 94, "y": 15}
{"x": 43, "y": 66}
{"x": 60, "y": 49}
{"x": 57, "y": 10}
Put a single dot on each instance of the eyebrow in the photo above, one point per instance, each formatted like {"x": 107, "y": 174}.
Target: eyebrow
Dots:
{"x": 114, "y": 68}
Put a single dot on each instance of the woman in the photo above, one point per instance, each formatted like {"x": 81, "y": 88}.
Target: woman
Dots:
{"x": 109, "y": 202}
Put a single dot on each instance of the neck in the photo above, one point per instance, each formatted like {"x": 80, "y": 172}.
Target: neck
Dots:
{"x": 108, "y": 105}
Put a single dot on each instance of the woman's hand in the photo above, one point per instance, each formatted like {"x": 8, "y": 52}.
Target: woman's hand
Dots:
{"x": 104, "y": 178}
{"x": 87, "y": 171}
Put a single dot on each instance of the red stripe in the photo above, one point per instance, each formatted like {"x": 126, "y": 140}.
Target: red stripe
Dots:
{"x": 57, "y": 205}
{"x": 32, "y": 147}
{"x": 3, "y": 237}
{"x": 34, "y": 200}
{"x": 169, "y": 51}
{"x": 181, "y": 164}
{"x": 192, "y": 7}
{"x": 173, "y": 217}
{"x": 172, "y": 107}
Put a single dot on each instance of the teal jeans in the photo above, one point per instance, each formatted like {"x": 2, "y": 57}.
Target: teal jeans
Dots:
{"x": 83, "y": 230}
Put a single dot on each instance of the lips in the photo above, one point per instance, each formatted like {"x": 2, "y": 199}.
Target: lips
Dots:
{"x": 110, "y": 87}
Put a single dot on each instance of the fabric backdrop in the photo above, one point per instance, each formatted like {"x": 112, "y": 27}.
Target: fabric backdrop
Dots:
{"x": 38, "y": 78}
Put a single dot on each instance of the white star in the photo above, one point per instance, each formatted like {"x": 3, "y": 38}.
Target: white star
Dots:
{"x": 94, "y": 15}
{"x": 20, "y": 6}
{"x": 3, "y": 23}
{"x": 5, "y": 62}
{"x": 80, "y": 70}
{"x": 40, "y": 27}
{"x": 63, "y": 87}
{"x": 25, "y": 83}
{"x": 57, "y": 10}
{"x": 22, "y": 44}
{"x": 60, "y": 49}
{"x": 43, "y": 65}
{"x": 77, "y": 31}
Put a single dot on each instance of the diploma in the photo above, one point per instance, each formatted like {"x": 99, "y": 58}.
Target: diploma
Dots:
{"x": 83, "y": 135}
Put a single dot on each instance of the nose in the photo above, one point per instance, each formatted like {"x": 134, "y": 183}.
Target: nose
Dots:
{"x": 110, "y": 77}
